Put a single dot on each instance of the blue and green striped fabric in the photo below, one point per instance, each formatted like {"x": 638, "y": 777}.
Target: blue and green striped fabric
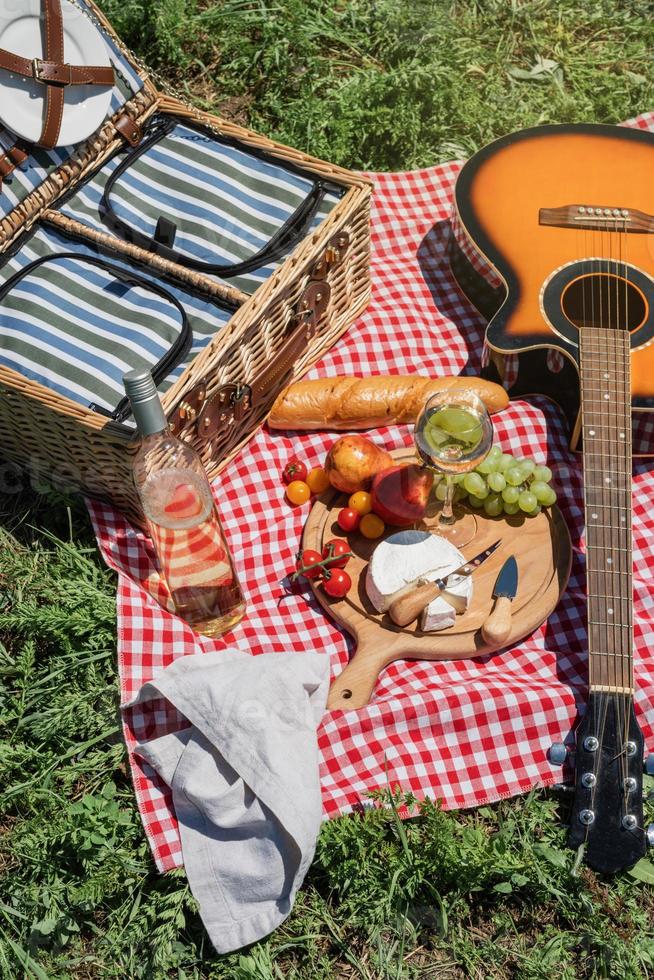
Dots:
{"x": 227, "y": 203}
{"x": 41, "y": 163}
{"x": 77, "y": 329}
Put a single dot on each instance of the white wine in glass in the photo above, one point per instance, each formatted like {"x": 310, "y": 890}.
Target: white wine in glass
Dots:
{"x": 453, "y": 435}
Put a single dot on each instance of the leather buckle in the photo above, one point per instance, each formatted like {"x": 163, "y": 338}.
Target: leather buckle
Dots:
{"x": 38, "y": 70}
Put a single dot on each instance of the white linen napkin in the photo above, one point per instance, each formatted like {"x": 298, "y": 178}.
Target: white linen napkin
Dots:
{"x": 245, "y": 782}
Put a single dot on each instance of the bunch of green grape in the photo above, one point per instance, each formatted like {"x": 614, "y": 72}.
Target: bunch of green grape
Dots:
{"x": 504, "y": 484}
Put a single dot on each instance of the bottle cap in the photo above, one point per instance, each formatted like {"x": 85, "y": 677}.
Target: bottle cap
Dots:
{"x": 144, "y": 399}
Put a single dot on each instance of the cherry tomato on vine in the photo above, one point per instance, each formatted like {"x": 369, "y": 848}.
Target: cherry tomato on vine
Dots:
{"x": 338, "y": 584}
{"x": 336, "y": 548}
{"x": 306, "y": 562}
{"x": 348, "y": 519}
{"x": 295, "y": 469}
{"x": 298, "y": 492}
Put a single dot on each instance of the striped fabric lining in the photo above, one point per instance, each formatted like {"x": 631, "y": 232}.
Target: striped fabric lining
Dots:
{"x": 76, "y": 329}
{"x": 41, "y": 163}
{"x": 227, "y": 203}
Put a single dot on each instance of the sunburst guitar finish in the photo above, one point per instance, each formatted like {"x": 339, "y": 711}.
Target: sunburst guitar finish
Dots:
{"x": 537, "y": 275}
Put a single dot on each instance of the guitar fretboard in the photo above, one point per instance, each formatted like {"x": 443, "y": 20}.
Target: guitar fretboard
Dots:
{"x": 606, "y": 418}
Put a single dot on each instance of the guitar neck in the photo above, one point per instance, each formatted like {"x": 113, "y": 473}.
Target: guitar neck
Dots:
{"x": 606, "y": 417}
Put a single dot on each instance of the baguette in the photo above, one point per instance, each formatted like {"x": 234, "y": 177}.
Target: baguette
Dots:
{"x": 344, "y": 404}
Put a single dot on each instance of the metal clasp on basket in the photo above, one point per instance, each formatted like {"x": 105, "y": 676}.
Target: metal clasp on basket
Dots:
{"x": 241, "y": 399}
{"x": 333, "y": 255}
{"x": 187, "y": 410}
{"x": 229, "y": 404}
{"x": 312, "y": 305}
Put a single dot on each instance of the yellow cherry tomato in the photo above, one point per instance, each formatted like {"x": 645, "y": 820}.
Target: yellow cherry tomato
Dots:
{"x": 371, "y": 526}
{"x": 298, "y": 492}
{"x": 361, "y": 502}
{"x": 318, "y": 480}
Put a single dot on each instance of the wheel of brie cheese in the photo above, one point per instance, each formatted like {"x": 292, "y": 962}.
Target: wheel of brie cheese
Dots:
{"x": 404, "y": 559}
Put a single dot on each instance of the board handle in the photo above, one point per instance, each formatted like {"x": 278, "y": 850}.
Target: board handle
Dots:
{"x": 353, "y": 687}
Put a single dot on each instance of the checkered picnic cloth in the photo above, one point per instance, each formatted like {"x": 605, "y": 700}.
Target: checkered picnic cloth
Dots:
{"x": 466, "y": 732}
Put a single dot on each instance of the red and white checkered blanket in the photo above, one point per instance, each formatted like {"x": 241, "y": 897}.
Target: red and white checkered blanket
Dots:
{"x": 466, "y": 732}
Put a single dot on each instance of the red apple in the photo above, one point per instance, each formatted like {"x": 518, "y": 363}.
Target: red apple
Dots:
{"x": 400, "y": 494}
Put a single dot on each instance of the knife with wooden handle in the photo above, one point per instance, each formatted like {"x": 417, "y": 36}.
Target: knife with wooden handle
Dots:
{"x": 410, "y": 604}
{"x": 497, "y": 627}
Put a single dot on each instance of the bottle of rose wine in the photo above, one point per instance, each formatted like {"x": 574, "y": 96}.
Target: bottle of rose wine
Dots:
{"x": 194, "y": 560}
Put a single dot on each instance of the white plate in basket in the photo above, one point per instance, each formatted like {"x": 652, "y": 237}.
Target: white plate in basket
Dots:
{"x": 22, "y": 100}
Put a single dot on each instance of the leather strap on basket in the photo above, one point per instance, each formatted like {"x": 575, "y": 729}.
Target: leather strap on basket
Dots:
{"x": 53, "y": 49}
{"x": 53, "y": 73}
{"x": 224, "y": 417}
{"x": 9, "y": 160}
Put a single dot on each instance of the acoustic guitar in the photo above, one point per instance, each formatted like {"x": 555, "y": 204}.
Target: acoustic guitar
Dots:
{"x": 553, "y": 240}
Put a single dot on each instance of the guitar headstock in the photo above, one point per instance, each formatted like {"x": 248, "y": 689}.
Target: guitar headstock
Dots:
{"x": 608, "y": 807}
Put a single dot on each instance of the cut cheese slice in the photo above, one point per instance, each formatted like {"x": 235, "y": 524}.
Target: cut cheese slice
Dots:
{"x": 403, "y": 559}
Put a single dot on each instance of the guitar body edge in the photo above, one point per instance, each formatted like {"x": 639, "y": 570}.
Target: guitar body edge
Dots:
{"x": 533, "y": 375}
{"x": 530, "y": 345}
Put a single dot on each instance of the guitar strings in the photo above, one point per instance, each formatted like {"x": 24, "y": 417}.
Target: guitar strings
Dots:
{"x": 599, "y": 701}
{"x": 588, "y": 284}
{"x": 582, "y": 257}
{"x": 628, "y": 661}
{"x": 614, "y": 680}
{"x": 599, "y": 705}
{"x": 618, "y": 646}
{"x": 608, "y": 672}
{"x": 620, "y": 555}
{"x": 614, "y": 554}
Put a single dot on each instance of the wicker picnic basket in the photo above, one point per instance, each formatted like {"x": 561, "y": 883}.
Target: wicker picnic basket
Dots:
{"x": 272, "y": 336}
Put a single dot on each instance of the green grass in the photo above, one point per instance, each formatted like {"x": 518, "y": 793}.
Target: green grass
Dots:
{"x": 486, "y": 894}
{"x": 389, "y": 85}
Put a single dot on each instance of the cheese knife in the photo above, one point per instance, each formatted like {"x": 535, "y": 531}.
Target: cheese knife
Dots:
{"x": 409, "y": 605}
{"x": 497, "y": 627}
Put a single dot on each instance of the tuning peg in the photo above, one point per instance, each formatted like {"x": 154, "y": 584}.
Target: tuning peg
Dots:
{"x": 649, "y": 835}
{"x": 558, "y": 753}
{"x": 649, "y": 764}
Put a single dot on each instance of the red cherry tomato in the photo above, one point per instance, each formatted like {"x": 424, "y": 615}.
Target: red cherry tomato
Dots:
{"x": 295, "y": 469}
{"x": 348, "y": 519}
{"x": 306, "y": 561}
{"x": 334, "y": 549}
{"x": 338, "y": 584}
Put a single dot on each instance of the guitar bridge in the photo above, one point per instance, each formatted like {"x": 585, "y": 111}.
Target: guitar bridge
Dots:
{"x": 597, "y": 218}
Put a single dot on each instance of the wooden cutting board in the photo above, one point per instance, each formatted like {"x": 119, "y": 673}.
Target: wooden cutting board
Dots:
{"x": 542, "y": 549}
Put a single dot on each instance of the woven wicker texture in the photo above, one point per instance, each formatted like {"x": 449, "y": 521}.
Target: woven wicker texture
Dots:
{"x": 77, "y": 448}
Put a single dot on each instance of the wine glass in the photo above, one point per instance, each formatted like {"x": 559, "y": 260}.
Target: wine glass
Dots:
{"x": 453, "y": 435}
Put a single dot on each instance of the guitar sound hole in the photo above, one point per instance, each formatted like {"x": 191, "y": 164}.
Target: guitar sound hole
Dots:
{"x": 602, "y": 299}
